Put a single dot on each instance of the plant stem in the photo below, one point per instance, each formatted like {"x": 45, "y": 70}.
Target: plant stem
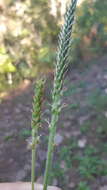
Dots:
{"x": 33, "y": 169}
{"x": 61, "y": 67}
{"x": 35, "y": 124}
{"x": 33, "y": 159}
{"x": 50, "y": 153}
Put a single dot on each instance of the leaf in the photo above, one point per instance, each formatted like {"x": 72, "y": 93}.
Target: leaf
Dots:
{"x": 6, "y": 64}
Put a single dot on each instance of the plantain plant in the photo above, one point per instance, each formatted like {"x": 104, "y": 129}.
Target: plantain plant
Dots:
{"x": 62, "y": 63}
{"x": 36, "y": 122}
{"x": 60, "y": 70}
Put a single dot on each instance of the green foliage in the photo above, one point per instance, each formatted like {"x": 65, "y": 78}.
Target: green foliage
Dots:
{"x": 84, "y": 128}
{"x": 65, "y": 156}
{"x": 71, "y": 90}
{"x": 25, "y": 133}
{"x": 6, "y": 65}
{"x": 74, "y": 106}
{"x": 8, "y": 137}
{"x": 97, "y": 100}
{"x": 90, "y": 165}
{"x": 101, "y": 122}
{"x": 83, "y": 186}
{"x": 29, "y": 39}
{"x": 46, "y": 55}
{"x": 91, "y": 40}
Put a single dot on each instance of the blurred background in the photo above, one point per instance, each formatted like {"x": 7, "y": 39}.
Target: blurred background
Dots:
{"x": 28, "y": 36}
{"x": 28, "y": 42}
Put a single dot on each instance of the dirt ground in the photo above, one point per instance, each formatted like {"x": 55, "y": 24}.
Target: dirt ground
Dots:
{"x": 82, "y": 124}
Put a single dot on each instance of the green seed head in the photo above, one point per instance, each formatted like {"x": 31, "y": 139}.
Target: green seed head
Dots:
{"x": 64, "y": 45}
{"x": 37, "y": 102}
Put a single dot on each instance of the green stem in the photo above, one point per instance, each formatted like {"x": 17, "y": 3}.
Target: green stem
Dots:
{"x": 35, "y": 124}
{"x": 50, "y": 151}
{"x": 33, "y": 159}
{"x": 61, "y": 66}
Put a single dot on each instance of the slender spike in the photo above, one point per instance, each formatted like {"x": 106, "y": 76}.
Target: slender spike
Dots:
{"x": 61, "y": 67}
{"x": 35, "y": 124}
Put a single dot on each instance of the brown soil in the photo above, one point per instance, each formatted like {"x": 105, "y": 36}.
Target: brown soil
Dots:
{"x": 15, "y": 125}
